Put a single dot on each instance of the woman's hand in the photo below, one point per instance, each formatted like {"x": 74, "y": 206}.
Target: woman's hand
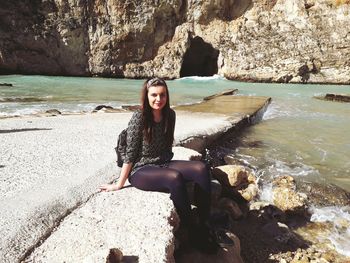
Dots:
{"x": 110, "y": 187}
{"x": 126, "y": 168}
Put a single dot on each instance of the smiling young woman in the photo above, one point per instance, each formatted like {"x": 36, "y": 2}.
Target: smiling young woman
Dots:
{"x": 149, "y": 166}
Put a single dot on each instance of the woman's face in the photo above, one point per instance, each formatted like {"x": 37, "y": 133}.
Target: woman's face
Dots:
{"x": 157, "y": 97}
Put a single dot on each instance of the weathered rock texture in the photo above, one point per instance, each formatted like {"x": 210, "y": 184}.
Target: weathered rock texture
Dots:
{"x": 253, "y": 40}
{"x": 238, "y": 178}
{"x": 285, "y": 196}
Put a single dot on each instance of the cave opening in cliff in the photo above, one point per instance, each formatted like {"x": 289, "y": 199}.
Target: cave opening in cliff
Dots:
{"x": 200, "y": 59}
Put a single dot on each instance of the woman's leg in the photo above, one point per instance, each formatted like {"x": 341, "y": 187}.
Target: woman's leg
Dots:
{"x": 197, "y": 172}
{"x": 152, "y": 178}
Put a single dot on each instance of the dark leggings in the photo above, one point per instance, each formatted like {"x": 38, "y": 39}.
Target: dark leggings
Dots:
{"x": 173, "y": 179}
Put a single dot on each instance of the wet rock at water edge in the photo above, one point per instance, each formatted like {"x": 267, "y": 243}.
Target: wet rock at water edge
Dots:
{"x": 6, "y": 85}
{"x": 335, "y": 97}
{"x": 53, "y": 112}
{"x": 233, "y": 175}
{"x": 223, "y": 93}
{"x": 324, "y": 194}
{"x": 105, "y": 108}
{"x": 279, "y": 231}
{"x": 237, "y": 178}
{"x": 285, "y": 196}
{"x": 100, "y": 107}
{"x": 267, "y": 211}
{"x": 131, "y": 107}
{"x": 250, "y": 192}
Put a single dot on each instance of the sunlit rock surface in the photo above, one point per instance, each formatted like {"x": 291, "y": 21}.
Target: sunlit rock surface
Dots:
{"x": 252, "y": 40}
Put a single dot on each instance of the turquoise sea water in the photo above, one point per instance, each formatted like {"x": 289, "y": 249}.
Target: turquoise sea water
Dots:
{"x": 33, "y": 94}
{"x": 299, "y": 135}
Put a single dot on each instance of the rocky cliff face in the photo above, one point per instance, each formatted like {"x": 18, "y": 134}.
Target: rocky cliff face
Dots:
{"x": 253, "y": 40}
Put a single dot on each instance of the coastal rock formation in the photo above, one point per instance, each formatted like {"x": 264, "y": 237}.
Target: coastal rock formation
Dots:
{"x": 285, "y": 196}
{"x": 252, "y": 40}
{"x": 231, "y": 175}
{"x": 91, "y": 232}
{"x": 238, "y": 178}
{"x": 335, "y": 97}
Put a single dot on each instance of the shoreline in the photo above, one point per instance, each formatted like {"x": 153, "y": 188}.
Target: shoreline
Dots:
{"x": 241, "y": 79}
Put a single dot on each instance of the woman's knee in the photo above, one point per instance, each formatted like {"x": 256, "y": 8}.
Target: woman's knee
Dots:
{"x": 200, "y": 168}
{"x": 174, "y": 179}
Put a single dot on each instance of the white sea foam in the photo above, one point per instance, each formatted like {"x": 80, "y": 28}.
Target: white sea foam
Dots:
{"x": 266, "y": 193}
{"x": 293, "y": 169}
{"x": 274, "y": 111}
{"x": 294, "y": 94}
{"x": 22, "y": 112}
{"x": 340, "y": 218}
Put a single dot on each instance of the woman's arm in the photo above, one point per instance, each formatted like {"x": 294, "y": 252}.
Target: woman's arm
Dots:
{"x": 133, "y": 140}
{"x": 126, "y": 168}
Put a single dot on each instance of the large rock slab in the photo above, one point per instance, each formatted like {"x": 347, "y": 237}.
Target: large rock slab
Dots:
{"x": 51, "y": 165}
{"x": 139, "y": 223}
{"x": 241, "y": 111}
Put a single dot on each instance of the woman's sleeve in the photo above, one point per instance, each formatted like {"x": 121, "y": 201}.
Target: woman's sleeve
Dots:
{"x": 134, "y": 138}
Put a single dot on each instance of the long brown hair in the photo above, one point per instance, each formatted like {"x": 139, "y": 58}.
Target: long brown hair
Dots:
{"x": 168, "y": 116}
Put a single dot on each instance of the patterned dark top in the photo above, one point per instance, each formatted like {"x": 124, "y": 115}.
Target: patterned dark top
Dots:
{"x": 141, "y": 153}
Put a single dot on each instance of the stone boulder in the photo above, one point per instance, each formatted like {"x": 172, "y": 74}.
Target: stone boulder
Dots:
{"x": 105, "y": 108}
{"x": 285, "y": 196}
{"x": 6, "y": 84}
{"x": 231, "y": 207}
{"x": 223, "y": 93}
{"x": 320, "y": 194}
{"x": 249, "y": 192}
{"x": 281, "y": 233}
{"x": 131, "y": 107}
{"x": 335, "y": 97}
{"x": 267, "y": 211}
{"x": 239, "y": 178}
{"x": 233, "y": 175}
{"x": 53, "y": 112}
